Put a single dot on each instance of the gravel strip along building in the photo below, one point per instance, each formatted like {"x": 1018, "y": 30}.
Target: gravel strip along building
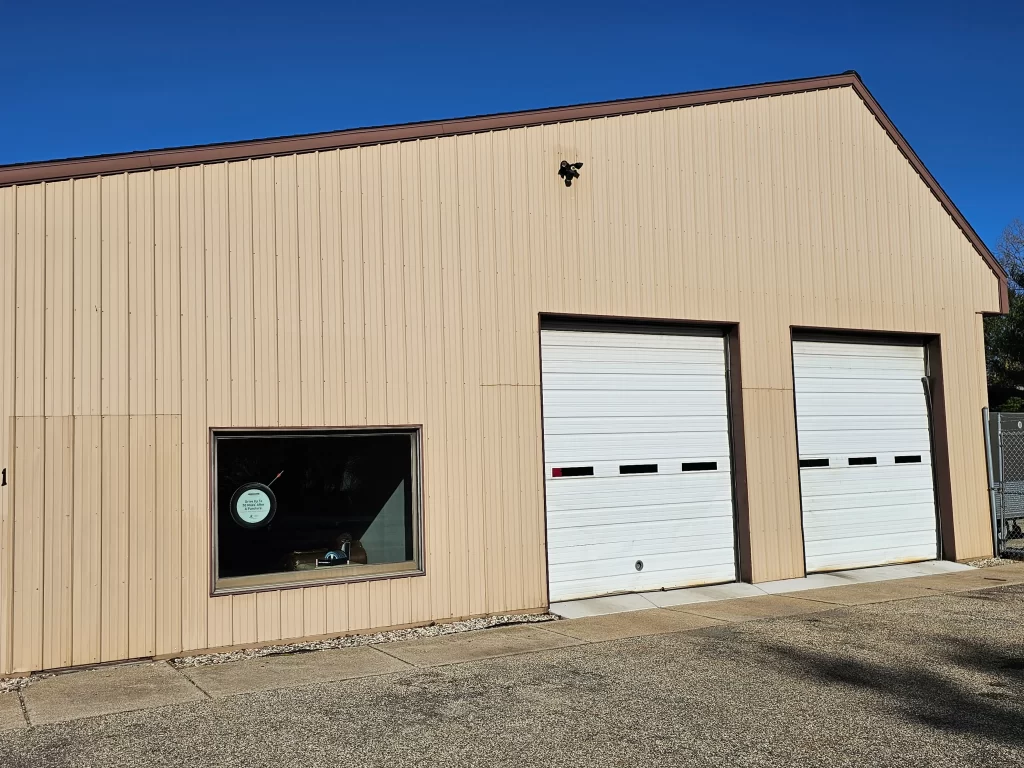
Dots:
{"x": 294, "y": 388}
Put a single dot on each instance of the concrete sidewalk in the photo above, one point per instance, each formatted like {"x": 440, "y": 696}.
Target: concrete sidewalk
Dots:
{"x": 111, "y": 690}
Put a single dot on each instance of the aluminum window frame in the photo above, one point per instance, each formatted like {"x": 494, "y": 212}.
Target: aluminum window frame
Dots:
{"x": 271, "y": 582}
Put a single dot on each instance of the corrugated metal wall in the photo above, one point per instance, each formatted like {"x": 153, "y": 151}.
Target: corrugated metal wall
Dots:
{"x": 401, "y": 284}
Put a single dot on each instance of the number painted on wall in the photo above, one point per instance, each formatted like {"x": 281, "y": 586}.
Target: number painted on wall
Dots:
{"x": 5, "y": 477}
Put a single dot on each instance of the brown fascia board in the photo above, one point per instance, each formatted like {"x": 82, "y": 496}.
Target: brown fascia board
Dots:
{"x": 54, "y": 170}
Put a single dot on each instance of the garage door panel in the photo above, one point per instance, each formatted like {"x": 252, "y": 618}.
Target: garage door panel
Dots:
{"x": 858, "y": 404}
{"x": 614, "y": 399}
{"x": 625, "y": 491}
{"x": 884, "y": 443}
{"x": 577, "y": 403}
{"x": 829, "y": 421}
{"x": 641, "y": 514}
{"x": 827, "y": 386}
{"x": 860, "y": 401}
{"x": 632, "y": 384}
{"x": 659, "y": 531}
{"x": 554, "y": 340}
{"x": 586, "y": 425}
{"x": 854, "y": 481}
{"x": 813, "y": 365}
{"x": 638, "y": 446}
{"x": 683, "y": 541}
{"x": 841, "y": 503}
{"x": 860, "y": 547}
{"x": 913, "y": 516}
{"x": 846, "y": 349}
{"x": 591, "y": 563}
{"x": 601, "y": 369}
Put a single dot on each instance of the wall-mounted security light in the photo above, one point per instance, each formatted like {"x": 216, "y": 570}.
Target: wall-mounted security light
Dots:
{"x": 569, "y": 171}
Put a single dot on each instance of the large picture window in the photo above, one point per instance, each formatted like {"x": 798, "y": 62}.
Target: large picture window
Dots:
{"x": 295, "y": 507}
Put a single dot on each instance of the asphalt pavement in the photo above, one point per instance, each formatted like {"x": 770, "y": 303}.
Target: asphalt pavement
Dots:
{"x": 933, "y": 680}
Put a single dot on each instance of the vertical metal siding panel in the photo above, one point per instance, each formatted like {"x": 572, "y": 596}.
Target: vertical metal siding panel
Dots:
{"x": 114, "y": 368}
{"x": 314, "y": 610}
{"x": 331, "y": 272}
{"x": 415, "y": 343}
{"x": 87, "y": 593}
{"x": 373, "y": 285}
{"x": 87, "y": 329}
{"x": 566, "y": 200}
{"x": 58, "y": 344}
{"x": 532, "y": 507}
{"x": 114, "y": 495}
{"x": 194, "y": 435}
{"x": 168, "y": 531}
{"x": 525, "y": 325}
{"x": 489, "y": 188}
{"x": 603, "y": 263}
{"x": 646, "y": 203}
{"x": 241, "y": 289}
{"x": 268, "y": 616}
{"x": 114, "y": 267}
{"x": 218, "y": 351}
{"x": 359, "y": 606}
{"x": 435, "y": 425}
{"x": 243, "y": 619}
{"x": 29, "y": 483}
{"x": 451, "y": 339}
{"x": 142, "y": 536}
{"x": 292, "y": 609}
{"x": 58, "y": 354}
{"x": 393, "y": 593}
{"x": 141, "y": 296}
{"x": 58, "y": 528}
{"x": 672, "y": 257}
{"x": 355, "y": 385}
{"x": 289, "y": 337}
{"x": 544, "y": 288}
{"x": 310, "y": 312}
{"x": 167, "y": 271}
{"x": 702, "y": 254}
{"x": 472, "y": 228}
{"x": 828, "y": 256}
{"x": 88, "y": 300}
{"x": 8, "y": 299}
{"x": 392, "y": 252}
{"x": 242, "y": 344}
{"x": 30, "y": 317}
{"x": 264, "y": 287}
{"x": 142, "y": 423}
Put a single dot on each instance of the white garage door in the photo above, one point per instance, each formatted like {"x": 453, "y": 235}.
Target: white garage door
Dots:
{"x": 636, "y": 450}
{"x": 865, "y": 454}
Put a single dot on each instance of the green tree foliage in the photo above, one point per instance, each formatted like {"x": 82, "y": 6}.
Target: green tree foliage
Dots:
{"x": 1004, "y": 335}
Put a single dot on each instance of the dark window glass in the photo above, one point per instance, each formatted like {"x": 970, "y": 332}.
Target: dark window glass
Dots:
{"x": 308, "y": 506}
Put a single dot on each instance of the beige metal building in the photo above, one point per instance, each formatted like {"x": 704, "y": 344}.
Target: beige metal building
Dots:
{"x": 294, "y": 388}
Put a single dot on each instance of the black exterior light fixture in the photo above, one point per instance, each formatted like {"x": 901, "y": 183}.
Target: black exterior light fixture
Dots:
{"x": 569, "y": 171}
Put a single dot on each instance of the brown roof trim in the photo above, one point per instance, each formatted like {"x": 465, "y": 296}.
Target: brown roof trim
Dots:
{"x": 53, "y": 170}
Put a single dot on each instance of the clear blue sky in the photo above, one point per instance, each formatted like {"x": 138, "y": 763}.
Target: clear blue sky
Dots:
{"x": 89, "y": 78}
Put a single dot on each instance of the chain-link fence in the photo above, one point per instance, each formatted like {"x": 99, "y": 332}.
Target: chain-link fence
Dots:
{"x": 1004, "y": 438}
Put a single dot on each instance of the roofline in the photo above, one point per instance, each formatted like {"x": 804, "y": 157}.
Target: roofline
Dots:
{"x": 58, "y": 170}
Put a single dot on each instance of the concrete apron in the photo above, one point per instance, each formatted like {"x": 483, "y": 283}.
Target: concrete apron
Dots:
{"x": 638, "y": 601}
{"x": 104, "y": 691}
